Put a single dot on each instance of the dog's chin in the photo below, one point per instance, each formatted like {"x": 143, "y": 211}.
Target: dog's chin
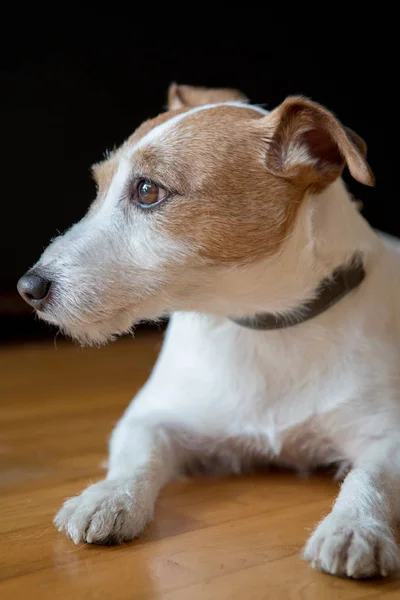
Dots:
{"x": 96, "y": 333}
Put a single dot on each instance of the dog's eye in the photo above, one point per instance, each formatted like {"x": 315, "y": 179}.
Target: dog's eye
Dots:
{"x": 148, "y": 193}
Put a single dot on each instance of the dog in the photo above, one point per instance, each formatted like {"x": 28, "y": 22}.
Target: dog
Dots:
{"x": 283, "y": 341}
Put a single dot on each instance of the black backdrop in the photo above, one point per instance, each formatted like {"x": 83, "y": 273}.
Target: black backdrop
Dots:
{"x": 65, "y": 102}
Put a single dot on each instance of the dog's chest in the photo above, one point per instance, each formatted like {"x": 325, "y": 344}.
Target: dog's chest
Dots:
{"x": 261, "y": 398}
{"x": 288, "y": 410}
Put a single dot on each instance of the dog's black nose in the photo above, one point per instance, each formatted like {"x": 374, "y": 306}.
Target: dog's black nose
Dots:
{"x": 34, "y": 289}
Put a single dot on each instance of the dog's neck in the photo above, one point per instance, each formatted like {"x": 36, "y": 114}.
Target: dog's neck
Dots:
{"x": 329, "y": 232}
{"x": 329, "y": 292}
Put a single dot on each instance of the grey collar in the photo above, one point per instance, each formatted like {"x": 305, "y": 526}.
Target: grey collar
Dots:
{"x": 330, "y": 290}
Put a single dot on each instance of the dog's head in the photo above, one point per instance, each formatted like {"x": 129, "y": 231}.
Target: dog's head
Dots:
{"x": 210, "y": 185}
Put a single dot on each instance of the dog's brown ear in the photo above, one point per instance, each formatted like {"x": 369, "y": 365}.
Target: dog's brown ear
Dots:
{"x": 307, "y": 143}
{"x": 187, "y": 96}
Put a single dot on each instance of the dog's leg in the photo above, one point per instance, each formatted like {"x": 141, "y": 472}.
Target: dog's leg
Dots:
{"x": 357, "y": 538}
{"x": 143, "y": 457}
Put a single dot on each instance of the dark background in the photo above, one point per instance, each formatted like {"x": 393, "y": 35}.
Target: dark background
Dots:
{"x": 65, "y": 101}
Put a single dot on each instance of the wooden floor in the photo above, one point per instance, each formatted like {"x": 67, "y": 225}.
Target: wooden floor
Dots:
{"x": 237, "y": 539}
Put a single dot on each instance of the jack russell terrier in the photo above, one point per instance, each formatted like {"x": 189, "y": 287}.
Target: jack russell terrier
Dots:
{"x": 283, "y": 344}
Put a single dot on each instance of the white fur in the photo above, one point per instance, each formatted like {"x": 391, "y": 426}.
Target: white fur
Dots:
{"x": 297, "y": 153}
{"x": 221, "y": 396}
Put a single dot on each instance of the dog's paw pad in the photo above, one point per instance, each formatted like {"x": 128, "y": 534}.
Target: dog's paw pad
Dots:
{"x": 344, "y": 546}
{"x": 105, "y": 513}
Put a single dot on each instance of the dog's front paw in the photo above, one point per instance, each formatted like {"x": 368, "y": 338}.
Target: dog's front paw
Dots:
{"x": 108, "y": 512}
{"x": 343, "y": 545}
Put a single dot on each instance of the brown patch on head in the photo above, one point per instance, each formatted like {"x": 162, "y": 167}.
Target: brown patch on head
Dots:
{"x": 187, "y": 96}
{"x": 224, "y": 201}
{"x": 180, "y": 99}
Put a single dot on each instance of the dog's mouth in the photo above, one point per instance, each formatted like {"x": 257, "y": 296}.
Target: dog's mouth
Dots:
{"x": 83, "y": 322}
{"x": 88, "y": 329}
{"x": 91, "y": 331}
